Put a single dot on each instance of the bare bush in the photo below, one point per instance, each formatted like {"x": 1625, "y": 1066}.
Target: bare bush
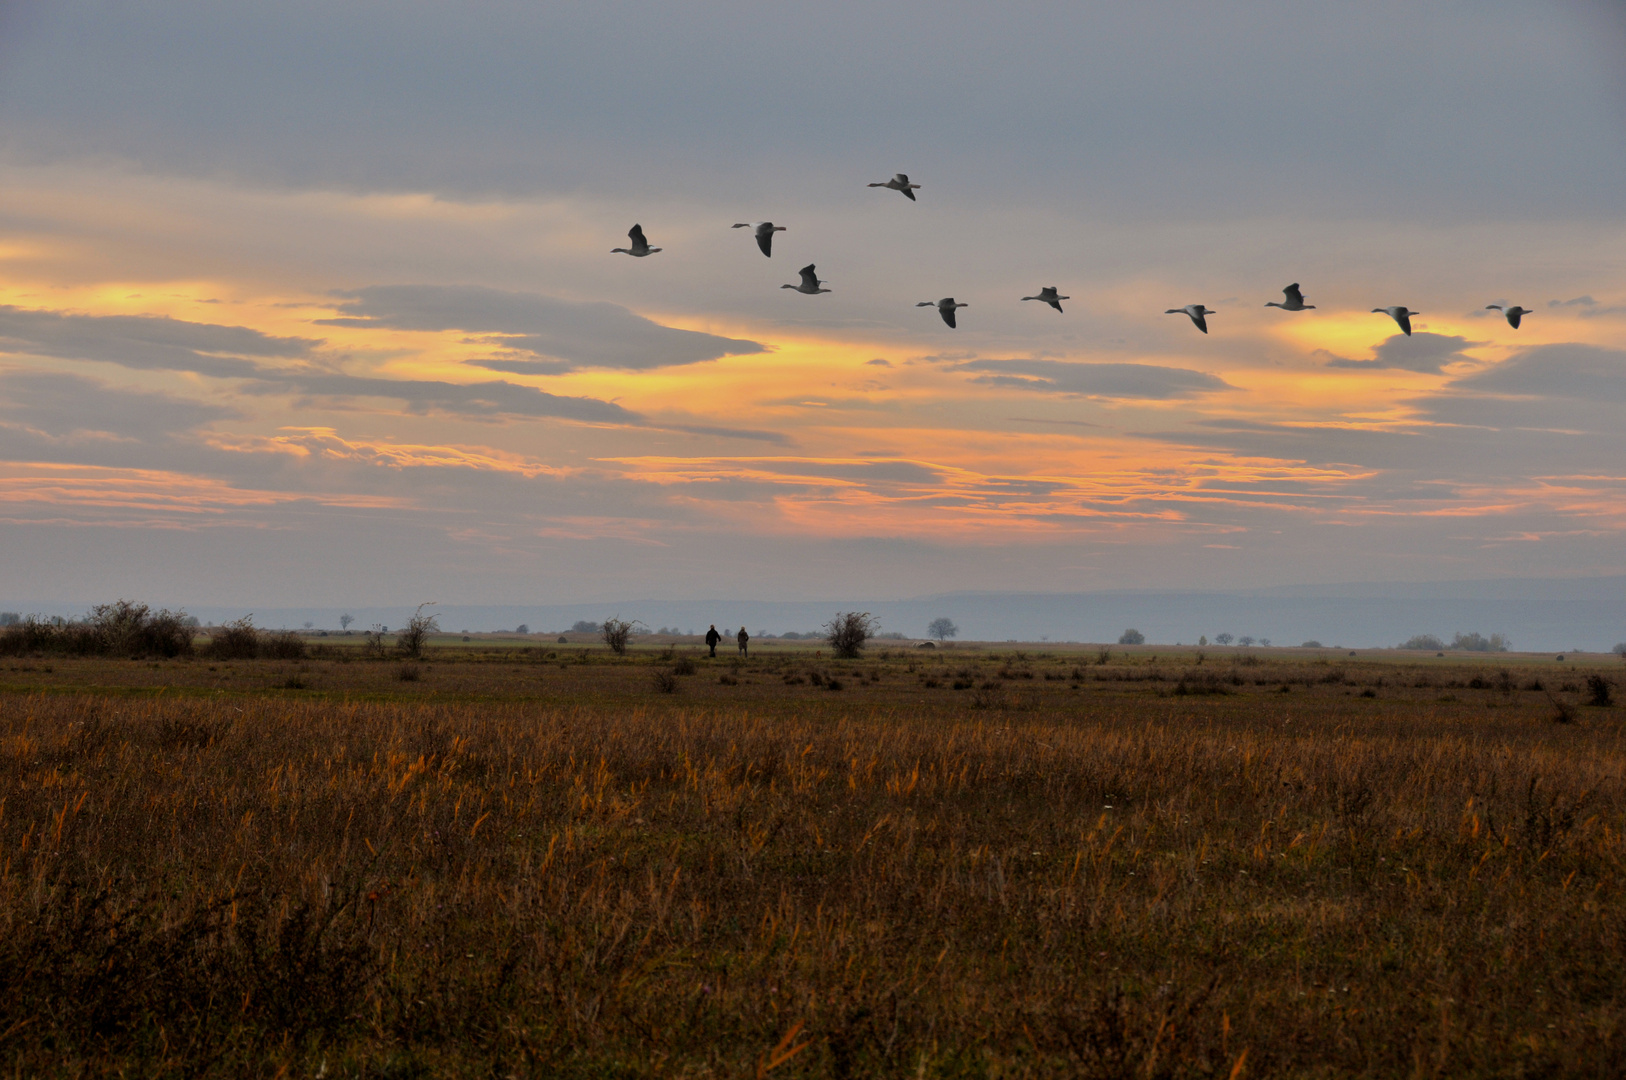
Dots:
{"x": 1598, "y": 687}
{"x": 848, "y": 632}
{"x": 418, "y": 628}
{"x": 615, "y": 633}
{"x": 373, "y": 640}
{"x": 285, "y": 645}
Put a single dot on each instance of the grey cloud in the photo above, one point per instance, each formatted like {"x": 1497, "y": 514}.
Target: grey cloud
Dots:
{"x": 524, "y": 367}
{"x": 1582, "y": 372}
{"x": 1142, "y": 381}
{"x": 58, "y": 406}
{"x": 583, "y": 334}
{"x": 1579, "y": 301}
{"x": 1422, "y": 352}
{"x": 1271, "y": 104}
{"x": 145, "y": 342}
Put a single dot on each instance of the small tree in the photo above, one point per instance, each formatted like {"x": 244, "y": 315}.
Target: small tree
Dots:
{"x": 615, "y": 633}
{"x": 1425, "y": 642}
{"x": 522, "y": 628}
{"x": 1202, "y": 639}
{"x": 1264, "y": 642}
{"x": 1224, "y": 639}
{"x": 418, "y": 628}
{"x": 1131, "y": 637}
{"x": 1620, "y": 650}
{"x": 1244, "y": 641}
{"x": 848, "y": 632}
{"x": 582, "y": 626}
{"x": 942, "y": 629}
{"x": 345, "y": 620}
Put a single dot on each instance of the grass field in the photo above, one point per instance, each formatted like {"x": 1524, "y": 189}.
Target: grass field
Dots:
{"x": 1027, "y": 861}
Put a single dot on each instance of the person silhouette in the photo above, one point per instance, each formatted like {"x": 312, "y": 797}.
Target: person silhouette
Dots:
{"x": 712, "y": 638}
{"x": 743, "y": 639}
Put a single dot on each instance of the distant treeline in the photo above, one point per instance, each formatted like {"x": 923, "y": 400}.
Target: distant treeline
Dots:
{"x": 1462, "y": 643}
{"x": 129, "y": 629}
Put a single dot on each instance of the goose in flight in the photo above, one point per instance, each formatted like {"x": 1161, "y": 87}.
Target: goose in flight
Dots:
{"x": 640, "y": 246}
{"x": 900, "y": 182}
{"x": 810, "y": 282}
{"x": 1400, "y": 315}
{"x": 763, "y": 231}
{"x": 1199, "y": 314}
{"x": 1048, "y": 295}
{"x": 945, "y": 307}
{"x": 1294, "y": 300}
{"x": 1514, "y": 313}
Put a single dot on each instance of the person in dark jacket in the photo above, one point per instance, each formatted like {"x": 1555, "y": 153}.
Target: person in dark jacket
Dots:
{"x": 712, "y": 638}
{"x": 744, "y": 639}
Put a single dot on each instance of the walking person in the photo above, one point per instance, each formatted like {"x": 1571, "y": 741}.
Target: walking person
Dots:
{"x": 744, "y": 639}
{"x": 712, "y": 638}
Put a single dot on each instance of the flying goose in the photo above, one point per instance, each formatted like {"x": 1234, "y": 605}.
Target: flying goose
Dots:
{"x": 810, "y": 282}
{"x": 900, "y": 182}
{"x": 640, "y": 246}
{"x": 763, "y": 230}
{"x": 1294, "y": 300}
{"x": 945, "y": 307}
{"x": 1399, "y": 314}
{"x": 1197, "y": 312}
{"x": 1048, "y": 295}
{"x": 1514, "y": 313}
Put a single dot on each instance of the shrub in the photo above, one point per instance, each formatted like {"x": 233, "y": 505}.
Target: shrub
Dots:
{"x": 522, "y": 628}
{"x": 1476, "y": 643}
{"x": 1599, "y": 686}
{"x": 582, "y": 626}
{"x": 286, "y": 645}
{"x": 418, "y": 628}
{"x": 848, "y": 631}
{"x": 684, "y": 666}
{"x": 1620, "y": 650}
{"x": 373, "y": 640}
{"x": 235, "y": 641}
{"x": 124, "y": 628}
{"x": 665, "y": 682}
{"x": 1311, "y": 644}
{"x": 1426, "y": 642}
{"x": 615, "y": 633}
{"x": 1131, "y": 637}
{"x": 409, "y": 672}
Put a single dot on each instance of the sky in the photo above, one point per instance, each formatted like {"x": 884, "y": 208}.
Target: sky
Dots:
{"x": 314, "y": 303}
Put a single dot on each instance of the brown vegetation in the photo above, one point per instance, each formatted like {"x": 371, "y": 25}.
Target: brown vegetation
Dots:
{"x": 543, "y": 865}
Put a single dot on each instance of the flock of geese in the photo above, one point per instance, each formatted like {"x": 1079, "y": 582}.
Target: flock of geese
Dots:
{"x": 1292, "y": 295}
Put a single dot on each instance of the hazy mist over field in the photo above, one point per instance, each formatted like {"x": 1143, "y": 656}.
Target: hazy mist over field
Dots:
{"x": 312, "y": 305}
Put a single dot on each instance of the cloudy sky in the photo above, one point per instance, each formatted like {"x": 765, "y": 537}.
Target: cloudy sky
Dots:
{"x": 310, "y": 303}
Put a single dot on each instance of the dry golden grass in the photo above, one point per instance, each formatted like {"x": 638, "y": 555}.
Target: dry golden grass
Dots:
{"x": 509, "y": 866}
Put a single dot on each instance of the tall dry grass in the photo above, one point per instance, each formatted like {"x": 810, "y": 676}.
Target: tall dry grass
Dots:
{"x": 1167, "y": 887}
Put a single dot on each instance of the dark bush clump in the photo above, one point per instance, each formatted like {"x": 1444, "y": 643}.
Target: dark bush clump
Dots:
{"x": 124, "y": 628}
{"x": 286, "y": 645}
{"x": 1598, "y": 687}
{"x": 848, "y": 632}
{"x": 1425, "y": 642}
{"x": 235, "y": 641}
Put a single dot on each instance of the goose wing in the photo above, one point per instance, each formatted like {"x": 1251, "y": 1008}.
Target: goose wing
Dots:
{"x": 810, "y": 279}
{"x": 948, "y": 314}
{"x": 765, "y": 238}
{"x": 1295, "y": 298}
{"x": 636, "y": 235}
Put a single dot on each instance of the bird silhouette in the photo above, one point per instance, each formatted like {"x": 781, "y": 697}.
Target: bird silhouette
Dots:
{"x": 900, "y": 182}
{"x": 1048, "y": 295}
{"x": 810, "y": 282}
{"x": 1199, "y": 314}
{"x": 1513, "y": 314}
{"x": 1400, "y": 314}
{"x": 1294, "y": 300}
{"x": 763, "y": 231}
{"x": 640, "y": 246}
{"x": 945, "y": 307}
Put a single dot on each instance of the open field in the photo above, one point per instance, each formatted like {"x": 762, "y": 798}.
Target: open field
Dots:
{"x": 960, "y": 862}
